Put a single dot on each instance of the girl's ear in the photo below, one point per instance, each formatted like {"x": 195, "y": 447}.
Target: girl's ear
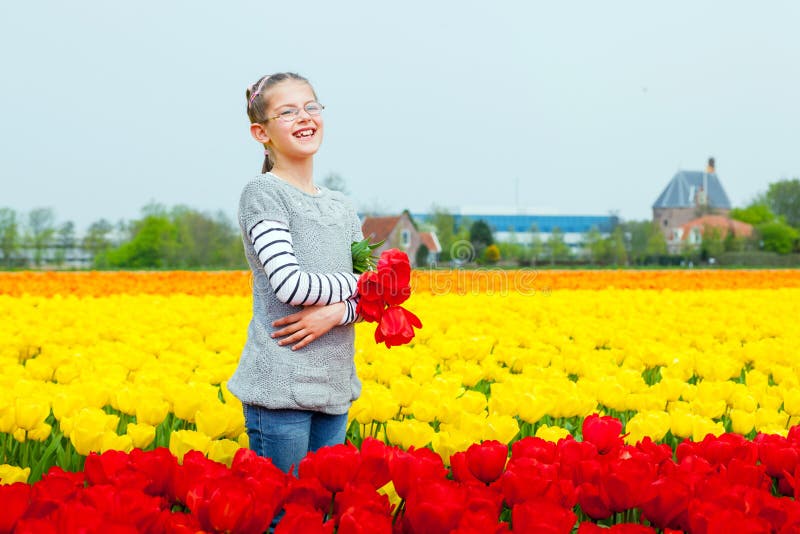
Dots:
{"x": 259, "y": 133}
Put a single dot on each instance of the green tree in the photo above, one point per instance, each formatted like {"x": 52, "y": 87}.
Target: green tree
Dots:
{"x": 97, "y": 238}
{"x": 557, "y": 248}
{"x": 778, "y": 237}
{"x": 617, "y": 252}
{"x": 757, "y": 212}
{"x": 480, "y": 235}
{"x": 152, "y": 243}
{"x": 536, "y": 246}
{"x": 595, "y": 244}
{"x": 65, "y": 241}
{"x": 421, "y": 257}
{"x": 712, "y": 244}
{"x": 40, "y": 232}
{"x": 783, "y": 198}
{"x": 9, "y": 235}
{"x": 445, "y": 225}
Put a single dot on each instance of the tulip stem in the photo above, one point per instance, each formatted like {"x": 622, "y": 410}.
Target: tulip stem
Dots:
{"x": 333, "y": 501}
{"x": 398, "y": 510}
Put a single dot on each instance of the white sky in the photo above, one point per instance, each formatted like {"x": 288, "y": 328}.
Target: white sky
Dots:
{"x": 579, "y": 107}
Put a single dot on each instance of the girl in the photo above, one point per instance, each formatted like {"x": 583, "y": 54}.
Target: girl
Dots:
{"x": 296, "y": 376}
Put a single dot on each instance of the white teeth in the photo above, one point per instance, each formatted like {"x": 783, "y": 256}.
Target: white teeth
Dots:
{"x": 305, "y": 133}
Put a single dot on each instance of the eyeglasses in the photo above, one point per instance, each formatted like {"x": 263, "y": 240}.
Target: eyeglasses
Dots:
{"x": 291, "y": 114}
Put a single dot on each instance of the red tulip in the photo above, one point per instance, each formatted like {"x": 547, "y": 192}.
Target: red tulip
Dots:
{"x": 396, "y": 326}
{"x": 394, "y": 271}
{"x": 415, "y": 467}
{"x": 157, "y": 467}
{"x": 621, "y": 528}
{"x": 603, "y": 432}
{"x": 375, "y": 460}
{"x": 487, "y": 460}
{"x": 300, "y": 519}
{"x": 15, "y": 499}
{"x": 308, "y": 492}
{"x": 461, "y": 473}
{"x": 334, "y": 466}
{"x": 196, "y": 468}
{"x": 436, "y": 506}
{"x": 531, "y": 447}
{"x": 542, "y": 516}
{"x": 594, "y": 501}
{"x": 667, "y": 502}
{"x": 361, "y": 521}
{"x": 526, "y": 479}
{"x": 370, "y": 304}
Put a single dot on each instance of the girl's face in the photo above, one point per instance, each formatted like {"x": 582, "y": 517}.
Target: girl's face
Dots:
{"x": 300, "y": 138}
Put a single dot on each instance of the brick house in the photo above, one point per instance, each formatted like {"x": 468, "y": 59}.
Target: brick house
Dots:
{"x": 689, "y": 195}
{"x": 400, "y": 232}
{"x": 693, "y": 231}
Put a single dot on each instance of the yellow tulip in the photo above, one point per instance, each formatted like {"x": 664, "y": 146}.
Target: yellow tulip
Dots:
{"x": 742, "y": 422}
{"x": 791, "y": 401}
{"x": 702, "y": 426}
{"x": 502, "y": 428}
{"x": 183, "y": 441}
{"x": 141, "y": 434}
{"x": 409, "y": 433}
{"x": 653, "y": 424}
{"x": 212, "y": 420}
{"x": 243, "y": 440}
{"x": 681, "y": 423}
{"x": 40, "y": 433}
{"x": 110, "y": 441}
{"x": 151, "y": 411}
{"x": 30, "y": 413}
{"x": 551, "y": 433}
{"x": 11, "y": 474}
{"x": 222, "y": 451}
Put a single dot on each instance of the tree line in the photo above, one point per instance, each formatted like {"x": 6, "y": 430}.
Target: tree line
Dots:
{"x": 162, "y": 238}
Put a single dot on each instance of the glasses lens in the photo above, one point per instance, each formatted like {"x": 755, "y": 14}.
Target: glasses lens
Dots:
{"x": 288, "y": 115}
{"x": 314, "y": 108}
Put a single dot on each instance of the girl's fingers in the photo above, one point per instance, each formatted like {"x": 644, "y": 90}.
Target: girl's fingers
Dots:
{"x": 291, "y": 329}
{"x": 289, "y": 319}
{"x": 297, "y": 336}
{"x": 306, "y": 340}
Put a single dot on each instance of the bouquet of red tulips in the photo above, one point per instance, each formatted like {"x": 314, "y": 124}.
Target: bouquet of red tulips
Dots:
{"x": 383, "y": 286}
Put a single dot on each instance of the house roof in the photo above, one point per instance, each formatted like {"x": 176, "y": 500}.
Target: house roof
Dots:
{"x": 379, "y": 228}
{"x": 681, "y": 190}
{"x": 725, "y": 224}
{"x": 430, "y": 240}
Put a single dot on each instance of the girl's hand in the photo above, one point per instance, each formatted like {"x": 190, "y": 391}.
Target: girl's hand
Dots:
{"x": 308, "y": 324}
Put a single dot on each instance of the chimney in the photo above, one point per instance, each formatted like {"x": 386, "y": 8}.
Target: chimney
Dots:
{"x": 710, "y": 168}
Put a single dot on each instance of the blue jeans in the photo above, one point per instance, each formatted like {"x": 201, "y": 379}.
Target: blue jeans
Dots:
{"x": 286, "y": 436}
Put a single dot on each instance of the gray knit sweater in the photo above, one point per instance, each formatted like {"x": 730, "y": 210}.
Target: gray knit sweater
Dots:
{"x": 321, "y": 376}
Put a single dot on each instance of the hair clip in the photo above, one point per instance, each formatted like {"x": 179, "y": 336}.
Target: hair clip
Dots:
{"x": 257, "y": 92}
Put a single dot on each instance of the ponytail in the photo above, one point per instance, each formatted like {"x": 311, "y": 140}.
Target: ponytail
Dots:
{"x": 267, "y": 162}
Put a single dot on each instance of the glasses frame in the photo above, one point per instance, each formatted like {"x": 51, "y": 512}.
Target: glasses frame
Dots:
{"x": 297, "y": 114}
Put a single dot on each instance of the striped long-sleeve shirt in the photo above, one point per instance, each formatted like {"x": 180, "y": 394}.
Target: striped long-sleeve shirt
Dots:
{"x": 273, "y": 244}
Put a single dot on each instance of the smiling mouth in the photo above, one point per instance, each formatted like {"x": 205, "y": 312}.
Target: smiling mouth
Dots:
{"x": 304, "y": 133}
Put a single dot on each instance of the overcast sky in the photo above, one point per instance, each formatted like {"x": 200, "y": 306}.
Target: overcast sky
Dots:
{"x": 565, "y": 107}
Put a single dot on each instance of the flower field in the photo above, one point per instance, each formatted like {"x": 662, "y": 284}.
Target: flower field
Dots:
{"x": 128, "y": 364}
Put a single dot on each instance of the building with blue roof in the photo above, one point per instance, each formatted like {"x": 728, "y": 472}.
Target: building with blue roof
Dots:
{"x": 689, "y": 195}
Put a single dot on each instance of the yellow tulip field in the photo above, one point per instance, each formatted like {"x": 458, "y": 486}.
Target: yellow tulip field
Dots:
{"x": 123, "y": 366}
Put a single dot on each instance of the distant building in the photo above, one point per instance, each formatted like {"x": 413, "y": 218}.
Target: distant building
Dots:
{"x": 522, "y": 227}
{"x": 400, "y": 232}
{"x": 689, "y": 195}
{"x": 691, "y": 233}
